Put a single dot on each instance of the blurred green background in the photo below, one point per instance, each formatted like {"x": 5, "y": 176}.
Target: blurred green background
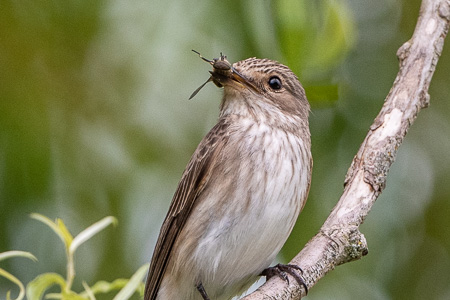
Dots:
{"x": 95, "y": 121}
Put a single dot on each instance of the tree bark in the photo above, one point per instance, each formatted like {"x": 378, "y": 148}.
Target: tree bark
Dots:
{"x": 339, "y": 239}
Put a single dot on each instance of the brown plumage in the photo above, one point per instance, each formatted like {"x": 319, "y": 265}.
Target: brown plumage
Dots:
{"x": 242, "y": 190}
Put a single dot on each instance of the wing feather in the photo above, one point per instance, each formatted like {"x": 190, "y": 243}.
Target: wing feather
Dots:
{"x": 193, "y": 181}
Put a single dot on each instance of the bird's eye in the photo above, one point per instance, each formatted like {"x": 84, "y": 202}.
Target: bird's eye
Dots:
{"x": 275, "y": 82}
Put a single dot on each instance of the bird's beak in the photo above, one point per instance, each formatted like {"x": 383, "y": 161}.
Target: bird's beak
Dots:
{"x": 236, "y": 76}
{"x": 233, "y": 77}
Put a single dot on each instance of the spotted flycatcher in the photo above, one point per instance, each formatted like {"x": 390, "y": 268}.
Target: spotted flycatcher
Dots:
{"x": 243, "y": 188}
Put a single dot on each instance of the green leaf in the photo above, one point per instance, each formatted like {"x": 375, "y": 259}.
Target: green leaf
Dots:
{"x": 12, "y": 278}
{"x": 88, "y": 290}
{"x": 65, "y": 296}
{"x": 16, "y": 281}
{"x": 67, "y": 237}
{"x": 17, "y": 253}
{"x": 106, "y": 287}
{"x": 90, "y": 232}
{"x": 58, "y": 227}
{"x": 37, "y": 287}
{"x": 133, "y": 284}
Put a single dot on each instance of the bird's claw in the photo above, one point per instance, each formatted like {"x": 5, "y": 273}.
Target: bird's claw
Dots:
{"x": 282, "y": 271}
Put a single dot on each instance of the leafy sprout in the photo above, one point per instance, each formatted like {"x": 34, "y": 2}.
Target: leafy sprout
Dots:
{"x": 12, "y": 278}
{"x": 36, "y": 289}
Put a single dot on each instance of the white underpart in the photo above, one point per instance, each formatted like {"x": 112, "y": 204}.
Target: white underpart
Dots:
{"x": 247, "y": 226}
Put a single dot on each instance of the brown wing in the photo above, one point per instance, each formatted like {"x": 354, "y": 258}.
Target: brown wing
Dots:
{"x": 194, "y": 179}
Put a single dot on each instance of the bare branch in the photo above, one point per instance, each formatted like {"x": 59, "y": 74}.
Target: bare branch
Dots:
{"x": 339, "y": 240}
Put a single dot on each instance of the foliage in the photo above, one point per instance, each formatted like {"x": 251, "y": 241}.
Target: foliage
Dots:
{"x": 12, "y": 278}
{"x": 37, "y": 288}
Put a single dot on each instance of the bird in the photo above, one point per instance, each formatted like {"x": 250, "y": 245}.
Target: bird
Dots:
{"x": 242, "y": 190}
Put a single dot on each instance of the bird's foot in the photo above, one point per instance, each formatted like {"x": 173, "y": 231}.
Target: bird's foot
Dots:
{"x": 282, "y": 271}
